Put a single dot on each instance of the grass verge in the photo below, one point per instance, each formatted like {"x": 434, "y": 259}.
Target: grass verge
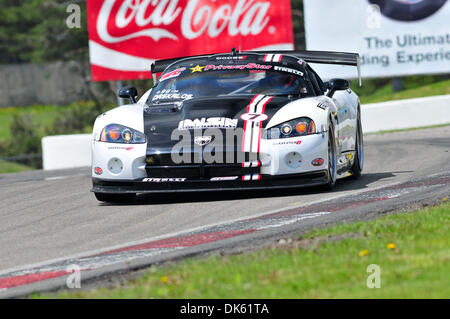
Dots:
{"x": 8, "y": 167}
{"x": 43, "y": 114}
{"x": 408, "y": 129}
{"x": 412, "y": 250}
{"x": 22, "y": 128}
{"x": 385, "y": 93}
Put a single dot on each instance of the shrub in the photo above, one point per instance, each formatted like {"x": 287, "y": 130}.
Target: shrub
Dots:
{"x": 25, "y": 143}
{"x": 75, "y": 118}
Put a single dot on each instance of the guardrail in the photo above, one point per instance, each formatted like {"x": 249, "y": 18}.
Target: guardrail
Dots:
{"x": 403, "y": 114}
{"x": 66, "y": 151}
{"x": 69, "y": 151}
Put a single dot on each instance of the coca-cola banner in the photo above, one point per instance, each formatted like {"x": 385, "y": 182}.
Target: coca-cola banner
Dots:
{"x": 126, "y": 36}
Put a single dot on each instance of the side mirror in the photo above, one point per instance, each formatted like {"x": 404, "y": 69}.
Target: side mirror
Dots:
{"x": 129, "y": 92}
{"x": 337, "y": 85}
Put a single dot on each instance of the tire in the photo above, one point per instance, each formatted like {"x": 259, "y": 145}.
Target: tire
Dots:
{"x": 358, "y": 162}
{"x": 115, "y": 198}
{"x": 332, "y": 160}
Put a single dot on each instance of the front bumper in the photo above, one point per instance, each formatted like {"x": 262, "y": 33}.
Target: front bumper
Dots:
{"x": 314, "y": 178}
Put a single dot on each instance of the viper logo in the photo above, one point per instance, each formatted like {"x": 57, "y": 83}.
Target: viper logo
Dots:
{"x": 202, "y": 140}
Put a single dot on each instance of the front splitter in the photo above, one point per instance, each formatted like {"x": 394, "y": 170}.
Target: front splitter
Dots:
{"x": 202, "y": 185}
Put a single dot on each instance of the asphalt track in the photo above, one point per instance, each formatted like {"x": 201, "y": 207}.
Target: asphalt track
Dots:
{"x": 50, "y": 220}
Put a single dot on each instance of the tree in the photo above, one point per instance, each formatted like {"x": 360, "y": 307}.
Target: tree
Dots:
{"x": 298, "y": 22}
{"x": 36, "y": 31}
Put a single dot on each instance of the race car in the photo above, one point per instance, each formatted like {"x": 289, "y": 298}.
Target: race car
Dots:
{"x": 231, "y": 121}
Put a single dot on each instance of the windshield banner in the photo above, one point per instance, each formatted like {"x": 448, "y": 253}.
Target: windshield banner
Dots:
{"x": 126, "y": 36}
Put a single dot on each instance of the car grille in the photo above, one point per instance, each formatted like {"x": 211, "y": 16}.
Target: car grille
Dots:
{"x": 228, "y": 164}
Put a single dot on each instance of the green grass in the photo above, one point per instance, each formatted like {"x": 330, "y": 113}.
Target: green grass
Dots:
{"x": 385, "y": 92}
{"x": 8, "y": 167}
{"x": 408, "y": 129}
{"x": 327, "y": 263}
{"x": 22, "y": 128}
{"x": 43, "y": 114}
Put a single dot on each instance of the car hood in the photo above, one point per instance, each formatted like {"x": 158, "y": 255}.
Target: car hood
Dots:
{"x": 162, "y": 121}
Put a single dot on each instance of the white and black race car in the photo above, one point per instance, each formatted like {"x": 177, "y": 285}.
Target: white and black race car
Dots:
{"x": 239, "y": 120}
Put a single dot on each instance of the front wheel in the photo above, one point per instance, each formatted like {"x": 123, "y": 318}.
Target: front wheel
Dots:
{"x": 358, "y": 162}
{"x": 332, "y": 160}
{"x": 115, "y": 198}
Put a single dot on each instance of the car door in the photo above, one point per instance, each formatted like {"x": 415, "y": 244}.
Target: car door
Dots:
{"x": 346, "y": 120}
{"x": 341, "y": 113}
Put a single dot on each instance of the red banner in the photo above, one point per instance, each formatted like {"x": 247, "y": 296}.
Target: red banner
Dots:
{"x": 126, "y": 36}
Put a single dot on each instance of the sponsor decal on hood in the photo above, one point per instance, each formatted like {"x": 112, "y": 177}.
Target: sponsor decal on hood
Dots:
{"x": 212, "y": 122}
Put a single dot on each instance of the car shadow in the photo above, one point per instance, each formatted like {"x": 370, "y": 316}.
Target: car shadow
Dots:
{"x": 342, "y": 185}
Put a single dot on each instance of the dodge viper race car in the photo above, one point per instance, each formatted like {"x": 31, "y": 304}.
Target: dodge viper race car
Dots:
{"x": 232, "y": 121}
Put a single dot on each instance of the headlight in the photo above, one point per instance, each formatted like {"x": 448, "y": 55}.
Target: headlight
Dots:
{"x": 115, "y": 133}
{"x": 298, "y": 127}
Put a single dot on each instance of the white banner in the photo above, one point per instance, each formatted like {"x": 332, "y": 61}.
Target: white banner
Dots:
{"x": 393, "y": 37}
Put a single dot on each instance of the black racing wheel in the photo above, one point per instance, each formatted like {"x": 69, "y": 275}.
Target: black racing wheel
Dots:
{"x": 332, "y": 160}
{"x": 408, "y": 10}
{"x": 358, "y": 161}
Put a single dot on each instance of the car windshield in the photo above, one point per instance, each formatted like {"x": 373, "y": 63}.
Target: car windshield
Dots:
{"x": 183, "y": 84}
